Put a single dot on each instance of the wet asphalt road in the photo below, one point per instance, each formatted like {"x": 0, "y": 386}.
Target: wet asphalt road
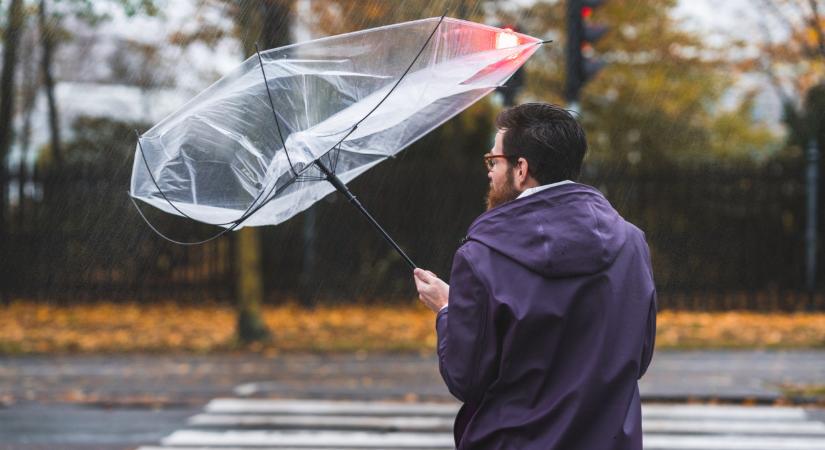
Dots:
{"x": 119, "y": 402}
{"x": 78, "y": 427}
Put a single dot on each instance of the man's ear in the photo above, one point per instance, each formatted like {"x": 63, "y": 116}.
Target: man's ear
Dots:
{"x": 522, "y": 171}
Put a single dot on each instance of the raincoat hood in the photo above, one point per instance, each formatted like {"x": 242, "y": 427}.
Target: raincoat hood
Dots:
{"x": 567, "y": 230}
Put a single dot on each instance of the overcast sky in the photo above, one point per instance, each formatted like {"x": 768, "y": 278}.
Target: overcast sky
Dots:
{"x": 735, "y": 17}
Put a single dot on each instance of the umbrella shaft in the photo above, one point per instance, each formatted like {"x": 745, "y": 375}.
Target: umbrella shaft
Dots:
{"x": 342, "y": 188}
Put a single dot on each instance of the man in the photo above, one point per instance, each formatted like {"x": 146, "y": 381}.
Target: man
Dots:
{"x": 550, "y": 317}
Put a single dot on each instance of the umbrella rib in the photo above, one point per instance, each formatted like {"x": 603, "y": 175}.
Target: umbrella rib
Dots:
{"x": 337, "y": 152}
{"x": 149, "y": 170}
{"x": 403, "y": 75}
{"x": 174, "y": 241}
{"x": 272, "y": 107}
{"x": 243, "y": 217}
{"x": 305, "y": 179}
{"x": 235, "y": 224}
{"x": 369, "y": 113}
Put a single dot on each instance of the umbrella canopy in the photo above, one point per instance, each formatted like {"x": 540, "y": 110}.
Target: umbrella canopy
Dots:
{"x": 244, "y": 152}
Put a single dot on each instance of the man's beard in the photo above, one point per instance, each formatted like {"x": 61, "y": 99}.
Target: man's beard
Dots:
{"x": 497, "y": 195}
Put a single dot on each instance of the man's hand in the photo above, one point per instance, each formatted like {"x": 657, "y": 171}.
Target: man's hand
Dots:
{"x": 432, "y": 291}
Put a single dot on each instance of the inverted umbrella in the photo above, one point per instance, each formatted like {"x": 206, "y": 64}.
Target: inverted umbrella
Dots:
{"x": 245, "y": 152}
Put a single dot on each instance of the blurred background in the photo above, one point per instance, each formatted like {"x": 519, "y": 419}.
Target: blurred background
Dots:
{"x": 704, "y": 121}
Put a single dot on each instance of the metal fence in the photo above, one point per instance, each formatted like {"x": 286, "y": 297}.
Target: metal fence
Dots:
{"x": 721, "y": 238}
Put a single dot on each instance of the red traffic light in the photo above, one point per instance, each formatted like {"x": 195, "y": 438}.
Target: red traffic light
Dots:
{"x": 587, "y": 11}
{"x": 507, "y": 39}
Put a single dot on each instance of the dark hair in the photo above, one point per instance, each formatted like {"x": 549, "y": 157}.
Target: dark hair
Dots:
{"x": 547, "y": 136}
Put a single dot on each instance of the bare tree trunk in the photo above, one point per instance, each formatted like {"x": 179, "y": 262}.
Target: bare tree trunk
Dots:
{"x": 10, "y": 42}
{"x": 249, "y": 287}
{"x": 47, "y": 39}
{"x": 29, "y": 88}
{"x": 265, "y": 22}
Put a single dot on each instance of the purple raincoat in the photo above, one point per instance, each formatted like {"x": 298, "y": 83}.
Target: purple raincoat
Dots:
{"x": 551, "y": 322}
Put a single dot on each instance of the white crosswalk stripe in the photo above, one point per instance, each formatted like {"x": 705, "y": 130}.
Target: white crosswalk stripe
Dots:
{"x": 243, "y": 424}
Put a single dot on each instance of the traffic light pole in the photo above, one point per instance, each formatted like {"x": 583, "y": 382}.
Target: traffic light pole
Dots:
{"x": 581, "y": 35}
{"x": 573, "y": 60}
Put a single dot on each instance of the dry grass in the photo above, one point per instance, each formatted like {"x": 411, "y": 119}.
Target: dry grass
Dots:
{"x": 27, "y": 327}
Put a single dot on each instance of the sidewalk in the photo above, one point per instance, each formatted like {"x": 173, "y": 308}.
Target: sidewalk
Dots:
{"x": 735, "y": 376}
{"x": 165, "y": 380}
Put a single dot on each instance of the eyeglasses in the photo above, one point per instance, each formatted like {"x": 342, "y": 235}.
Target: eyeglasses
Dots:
{"x": 490, "y": 160}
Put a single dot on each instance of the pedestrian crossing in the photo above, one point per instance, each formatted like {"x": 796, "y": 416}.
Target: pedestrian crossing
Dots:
{"x": 243, "y": 424}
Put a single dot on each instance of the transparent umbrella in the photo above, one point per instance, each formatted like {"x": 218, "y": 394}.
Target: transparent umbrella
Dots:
{"x": 245, "y": 152}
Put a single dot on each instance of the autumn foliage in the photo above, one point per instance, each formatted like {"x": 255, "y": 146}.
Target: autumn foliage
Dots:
{"x": 27, "y": 327}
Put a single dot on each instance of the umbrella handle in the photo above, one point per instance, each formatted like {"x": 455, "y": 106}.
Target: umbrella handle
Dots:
{"x": 342, "y": 188}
